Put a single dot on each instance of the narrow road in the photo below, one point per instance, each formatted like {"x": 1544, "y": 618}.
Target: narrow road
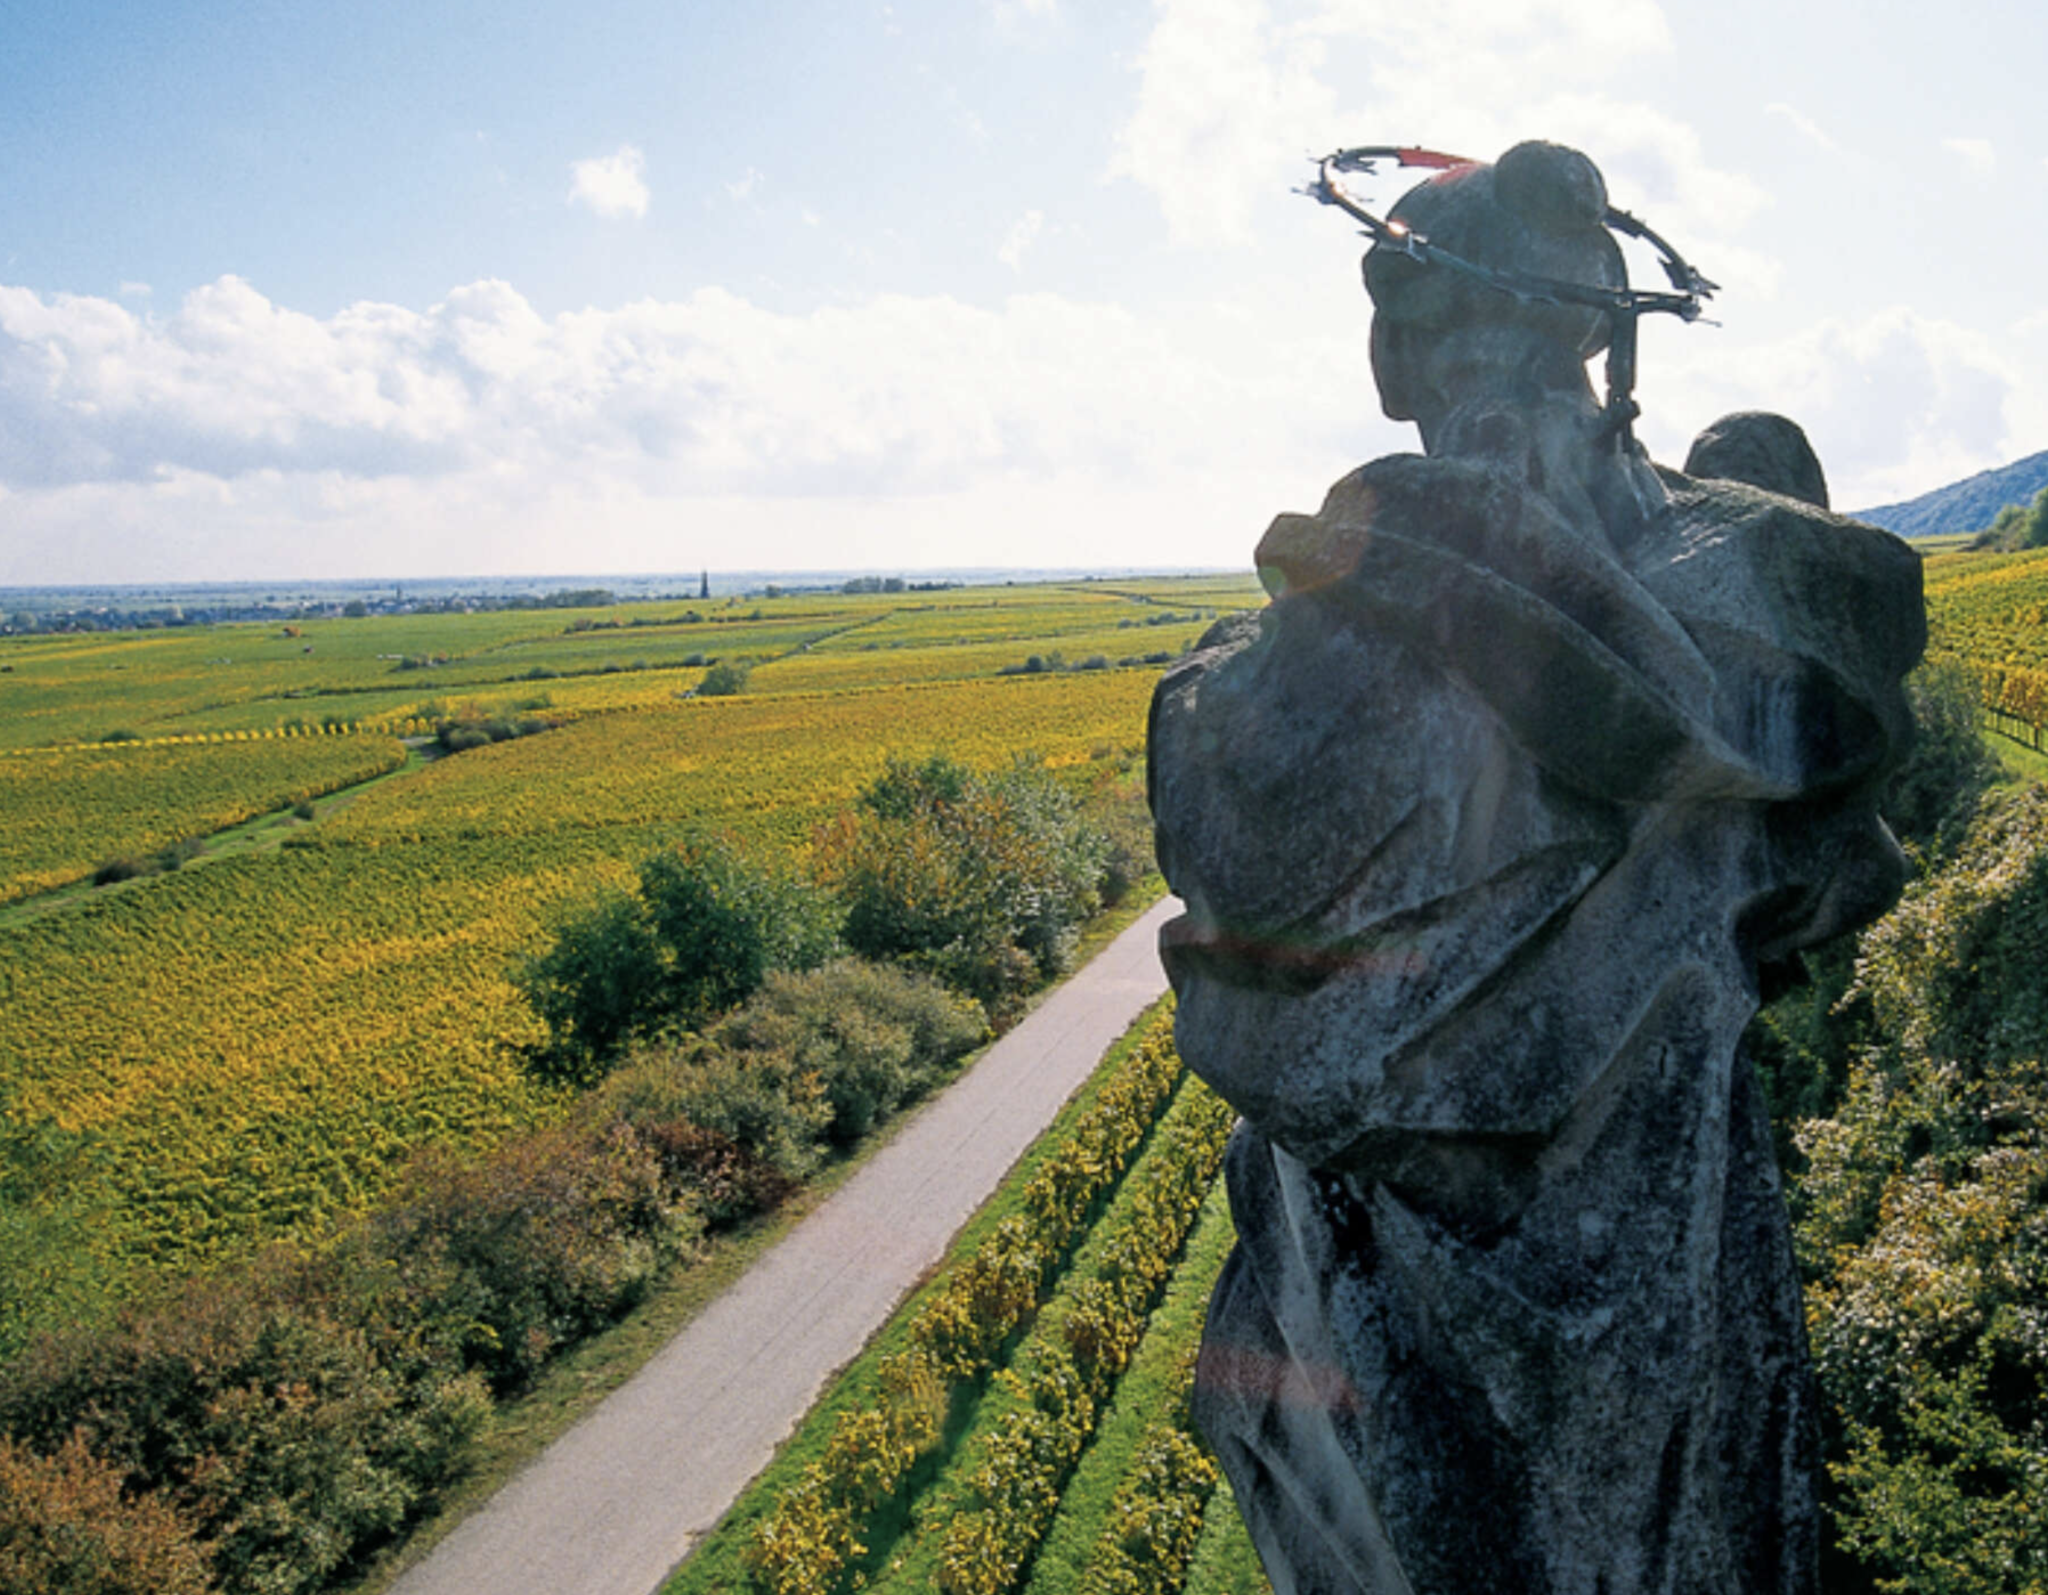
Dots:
{"x": 614, "y": 1504}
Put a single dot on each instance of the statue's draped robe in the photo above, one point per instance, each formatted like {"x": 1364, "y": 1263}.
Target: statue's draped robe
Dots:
{"x": 1485, "y": 830}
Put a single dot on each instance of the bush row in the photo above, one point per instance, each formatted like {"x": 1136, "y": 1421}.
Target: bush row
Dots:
{"x": 272, "y": 1426}
{"x": 1156, "y": 1516}
{"x": 1063, "y": 1386}
{"x": 813, "y": 1534}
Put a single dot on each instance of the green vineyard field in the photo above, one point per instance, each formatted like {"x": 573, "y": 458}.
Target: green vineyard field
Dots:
{"x": 257, "y": 1045}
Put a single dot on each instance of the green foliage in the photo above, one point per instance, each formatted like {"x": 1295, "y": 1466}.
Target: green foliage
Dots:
{"x": 1116, "y": 809}
{"x": 295, "y": 1414}
{"x": 698, "y": 936}
{"x": 267, "y": 1424}
{"x": 724, "y": 922}
{"x": 596, "y": 987}
{"x": 1137, "y": 1495}
{"x": 1932, "y": 797}
{"x": 2017, "y": 526}
{"x": 981, "y": 879}
{"x": 1059, "y": 1388}
{"x": 725, "y": 679}
{"x": 49, "y": 1273}
{"x": 1157, "y": 1516}
{"x": 1922, "y": 1226}
{"x": 873, "y": 1037}
{"x": 534, "y": 1248}
{"x": 459, "y": 734}
{"x": 1803, "y": 1039}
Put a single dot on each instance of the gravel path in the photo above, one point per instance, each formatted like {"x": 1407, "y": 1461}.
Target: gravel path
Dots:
{"x": 614, "y": 1504}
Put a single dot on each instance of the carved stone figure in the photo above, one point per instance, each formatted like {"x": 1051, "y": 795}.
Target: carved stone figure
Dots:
{"x": 1489, "y": 827}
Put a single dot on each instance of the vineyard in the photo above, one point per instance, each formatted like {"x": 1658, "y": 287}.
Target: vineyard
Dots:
{"x": 1052, "y": 1453}
{"x": 257, "y": 1045}
{"x": 1989, "y": 612}
{"x": 1023, "y": 1425}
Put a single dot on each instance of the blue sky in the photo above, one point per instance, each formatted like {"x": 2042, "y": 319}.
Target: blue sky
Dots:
{"x": 435, "y": 289}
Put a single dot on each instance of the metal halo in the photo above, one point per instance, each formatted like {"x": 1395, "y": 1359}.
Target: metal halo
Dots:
{"x": 1622, "y": 306}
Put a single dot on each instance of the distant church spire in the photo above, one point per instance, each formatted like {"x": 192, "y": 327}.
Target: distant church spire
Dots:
{"x": 704, "y": 591}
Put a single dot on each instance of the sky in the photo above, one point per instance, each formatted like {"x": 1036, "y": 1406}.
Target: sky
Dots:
{"x": 444, "y": 288}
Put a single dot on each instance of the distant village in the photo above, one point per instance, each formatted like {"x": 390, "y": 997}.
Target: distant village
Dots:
{"x": 26, "y": 611}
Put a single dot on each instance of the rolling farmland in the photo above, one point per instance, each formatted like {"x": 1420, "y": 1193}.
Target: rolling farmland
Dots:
{"x": 255, "y": 1042}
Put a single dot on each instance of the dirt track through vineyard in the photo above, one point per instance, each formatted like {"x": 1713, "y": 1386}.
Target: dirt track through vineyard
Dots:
{"x": 614, "y": 1504}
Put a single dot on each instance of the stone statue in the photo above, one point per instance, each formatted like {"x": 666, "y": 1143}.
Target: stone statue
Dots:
{"x": 1489, "y": 827}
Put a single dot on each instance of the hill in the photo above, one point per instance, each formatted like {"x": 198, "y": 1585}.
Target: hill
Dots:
{"x": 1965, "y": 506}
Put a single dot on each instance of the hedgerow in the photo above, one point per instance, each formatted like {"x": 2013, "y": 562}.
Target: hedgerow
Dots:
{"x": 288, "y": 1417}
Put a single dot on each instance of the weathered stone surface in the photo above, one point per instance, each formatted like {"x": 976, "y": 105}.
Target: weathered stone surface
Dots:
{"x": 1486, "y": 827}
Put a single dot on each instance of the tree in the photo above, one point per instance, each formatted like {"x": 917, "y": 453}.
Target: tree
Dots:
{"x": 981, "y": 879}
{"x": 723, "y": 922}
{"x": 594, "y": 988}
{"x": 723, "y": 680}
{"x": 696, "y": 937}
{"x": 2017, "y": 526}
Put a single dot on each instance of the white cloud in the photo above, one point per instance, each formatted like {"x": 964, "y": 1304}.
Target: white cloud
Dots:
{"x": 432, "y": 437}
{"x": 742, "y": 188}
{"x": 1232, "y": 94}
{"x": 1804, "y": 125}
{"x": 1010, "y": 15}
{"x": 611, "y": 185}
{"x": 1225, "y": 102}
{"x": 1895, "y": 402}
{"x": 1022, "y": 235}
{"x": 1977, "y": 155}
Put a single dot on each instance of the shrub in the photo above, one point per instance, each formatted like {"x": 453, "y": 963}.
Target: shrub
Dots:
{"x": 534, "y": 1248}
{"x": 980, "y": 879}
{"x": 263, "y": 1421}
{"x": 177, "y": 855}
{"x": 759, "y": 1101}
{"x": 1805, "y": 1036}
{"x": 67, "y": 1527}
{"x": 125, "y": 868}
{"x": 723, "y": 680}
{"x": 1932, "y": 797}
{"x": 724, "y": 1180}
{"x": 1922, "y": 1224}
{"x": 874, "y": 1037}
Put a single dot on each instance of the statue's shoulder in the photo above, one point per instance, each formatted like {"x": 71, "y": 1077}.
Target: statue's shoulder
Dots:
{"x": 1447, "y": 504}
{"x": 1733, "y": 559}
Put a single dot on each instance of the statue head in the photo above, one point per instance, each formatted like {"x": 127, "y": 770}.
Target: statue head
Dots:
{"x": 1440, "y": 338}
